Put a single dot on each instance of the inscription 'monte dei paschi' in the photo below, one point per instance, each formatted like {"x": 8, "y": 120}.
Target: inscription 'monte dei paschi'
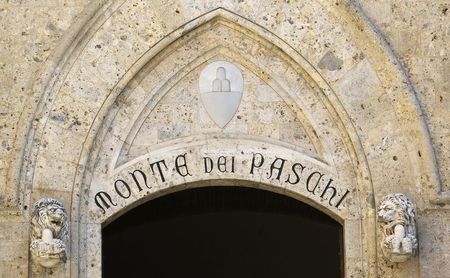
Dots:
{"x": 259, "y": 167}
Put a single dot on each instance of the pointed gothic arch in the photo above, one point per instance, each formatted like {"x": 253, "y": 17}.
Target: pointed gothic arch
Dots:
{"x": 125, "y": 125}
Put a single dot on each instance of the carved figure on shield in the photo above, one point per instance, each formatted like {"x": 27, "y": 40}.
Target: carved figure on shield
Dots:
{"x": 49, "y": 232}
{"x": 397, "y": 216}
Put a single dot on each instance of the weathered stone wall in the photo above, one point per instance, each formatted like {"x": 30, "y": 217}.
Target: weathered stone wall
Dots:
{"x": 30, "y": 31}
{"x": 417, "y": 32}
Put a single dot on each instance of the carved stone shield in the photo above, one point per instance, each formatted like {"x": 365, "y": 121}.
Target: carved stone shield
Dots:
{"x": 221, "y": 85}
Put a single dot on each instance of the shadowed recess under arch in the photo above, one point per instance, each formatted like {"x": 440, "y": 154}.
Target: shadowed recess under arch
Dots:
{"x": 223, "y": 232}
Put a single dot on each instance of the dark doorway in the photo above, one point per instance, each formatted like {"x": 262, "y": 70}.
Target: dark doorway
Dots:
{"x": 223, "y": 232}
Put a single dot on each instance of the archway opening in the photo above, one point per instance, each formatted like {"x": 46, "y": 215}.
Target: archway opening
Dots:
{"x": 223, "y": 232}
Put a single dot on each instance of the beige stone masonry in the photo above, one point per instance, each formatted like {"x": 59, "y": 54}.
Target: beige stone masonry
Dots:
{"x": 349, "y": 94}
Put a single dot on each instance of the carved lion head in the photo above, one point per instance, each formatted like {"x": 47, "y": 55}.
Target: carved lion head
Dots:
{"x": 49, "y": 214}
{"x": 397, "y": 208}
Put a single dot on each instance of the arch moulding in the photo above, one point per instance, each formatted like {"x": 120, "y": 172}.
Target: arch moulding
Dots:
{"x": 193, "y": 160}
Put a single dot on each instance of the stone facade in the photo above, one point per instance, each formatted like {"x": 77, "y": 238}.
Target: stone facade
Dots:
{"x": 343, "y": 103}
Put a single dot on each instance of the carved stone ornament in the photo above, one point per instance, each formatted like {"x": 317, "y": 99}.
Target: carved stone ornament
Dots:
{"x": 49, "y": 232}
{"x": 397, "y": 216}
{"x": 221, "y": 85}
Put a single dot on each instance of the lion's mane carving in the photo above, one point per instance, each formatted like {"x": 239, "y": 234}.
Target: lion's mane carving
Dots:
{"x": 49, "y": 231}
{"x": 398, "y": 222}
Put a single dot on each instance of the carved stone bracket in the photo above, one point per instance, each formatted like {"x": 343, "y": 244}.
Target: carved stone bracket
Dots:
{"x": 49, "y": 233}
{"x": 397, "y": 216}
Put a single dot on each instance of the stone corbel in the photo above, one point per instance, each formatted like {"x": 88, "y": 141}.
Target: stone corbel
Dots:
{"x": 397, "y": 218}
{"x": 49, "y": 232}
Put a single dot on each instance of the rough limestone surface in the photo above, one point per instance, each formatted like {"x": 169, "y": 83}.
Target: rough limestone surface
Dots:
{"x": 101, "y": 97}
